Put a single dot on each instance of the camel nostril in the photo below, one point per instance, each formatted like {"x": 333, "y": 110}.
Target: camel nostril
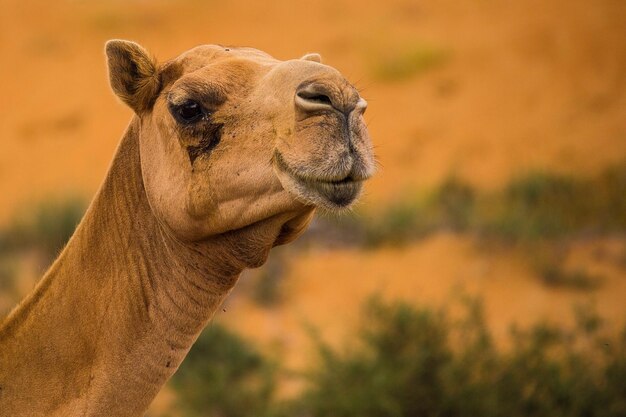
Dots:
{"x": 313, "y": 97}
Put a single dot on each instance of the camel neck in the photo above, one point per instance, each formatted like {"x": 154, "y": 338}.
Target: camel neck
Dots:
{"x": 116, "y": 313}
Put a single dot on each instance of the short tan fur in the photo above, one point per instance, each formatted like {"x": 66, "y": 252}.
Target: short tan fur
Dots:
{"x": 229, "y": 153}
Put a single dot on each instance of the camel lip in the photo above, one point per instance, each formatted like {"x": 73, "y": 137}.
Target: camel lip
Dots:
{"x": 345, "y": 181}
{"x": 331, "y": 194}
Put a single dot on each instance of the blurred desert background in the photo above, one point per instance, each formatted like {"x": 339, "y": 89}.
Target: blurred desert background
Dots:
{"x": 500, "y": 131}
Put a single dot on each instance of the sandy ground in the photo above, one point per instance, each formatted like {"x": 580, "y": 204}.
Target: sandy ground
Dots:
{"x": 524, "y": 85}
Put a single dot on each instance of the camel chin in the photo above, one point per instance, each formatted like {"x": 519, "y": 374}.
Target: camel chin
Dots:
{"x": 331, "y": 195}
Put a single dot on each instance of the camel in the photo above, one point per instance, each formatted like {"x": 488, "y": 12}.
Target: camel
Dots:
{"x": 229, "y": 153}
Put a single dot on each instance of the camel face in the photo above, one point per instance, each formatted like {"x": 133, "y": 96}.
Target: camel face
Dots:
{"x": 231, "y": 137}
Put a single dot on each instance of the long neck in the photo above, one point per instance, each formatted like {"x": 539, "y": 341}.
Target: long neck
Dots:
{"x": 116, "y": 313}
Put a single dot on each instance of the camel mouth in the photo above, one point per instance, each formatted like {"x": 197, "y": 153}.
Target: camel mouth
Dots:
{"x": 340, "y": 194}
{"x": 332, "y": 194}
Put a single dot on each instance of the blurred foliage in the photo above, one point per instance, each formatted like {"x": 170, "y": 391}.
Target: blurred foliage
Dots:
{"x": 46, "y": 227}
{"x": 409, "y": 361}
{"x": 391, "y": 374}
{"x": 398, "y": 223}
{"x": 8, "y": 272}
{"x": 412, "y": 361}
{"x": 224, "y": 376}
{"x": 533, "y": 207}
{"x": 544, "y": 205}
{"x": 449, "y": 207}
{"x": 267, "y": 289}
{"x": 555, "y": 275}
{"x": 418, "y": 362}
{"x": 455, "y": 201}
{"x": 538, "y": 213}
{"x": 41, "y": 230}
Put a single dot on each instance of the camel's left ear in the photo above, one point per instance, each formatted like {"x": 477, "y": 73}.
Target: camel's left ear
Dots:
{"x": 133, "y": 74}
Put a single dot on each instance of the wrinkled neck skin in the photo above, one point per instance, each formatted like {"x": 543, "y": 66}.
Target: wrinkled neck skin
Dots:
{"x": 117, "y": 312}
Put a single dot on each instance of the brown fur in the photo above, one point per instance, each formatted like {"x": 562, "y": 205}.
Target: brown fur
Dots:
{"x": 133, "y": 74}
{"x": 165, "y": 239}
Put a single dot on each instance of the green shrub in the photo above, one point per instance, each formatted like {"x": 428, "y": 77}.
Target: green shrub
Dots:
{"x": 8, "y": 272}
{"x": 399, "y": 222}
{"x": 47, "y": 226}
{"x": 557, "y": 276}
{"x": 610, "y": 188}
{"x": 378, "y": 379}
{"x": 416, "y": 362}
{"x": 450, "y": 206}
{"x": 224, "y": 376}
{"x": 536, "y": 207}
{"x": 542, "y": 205}
{"x": 455, "y": 201}
{"x": 267, "y": 290}
{"x": 549, "y": 206}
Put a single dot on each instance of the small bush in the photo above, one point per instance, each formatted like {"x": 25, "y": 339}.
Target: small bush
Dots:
{"x": 557, "y": 276}
{"x": 449, "y": 207}
{"x": 46, "y": 227}
{"x": 410, "y": 361}
{"x": 398, "y": 223}
{"x": 536, "y": 207}
{"x": 380, "y": 379}
{"x": 416, "y": 362}
{"x": 610, "y": 189}
{"x": 224, "y": 376}
{"x": 267, "y": 290}
{"x": 455, "y": 200}
{"x": 540, "y": 206}
{"x": 8, "y": 272}
{"x": 547, "y": 206}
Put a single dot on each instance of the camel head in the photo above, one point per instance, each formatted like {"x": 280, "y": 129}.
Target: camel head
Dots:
{"x": 230, "y": 137}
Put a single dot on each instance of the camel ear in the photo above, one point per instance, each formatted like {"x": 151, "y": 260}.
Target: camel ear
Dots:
{"x": 312, "y": 57}
{"x": 133, "y": 74}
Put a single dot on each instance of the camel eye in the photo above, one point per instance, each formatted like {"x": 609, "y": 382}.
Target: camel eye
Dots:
{"x": 188, "y": 112}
